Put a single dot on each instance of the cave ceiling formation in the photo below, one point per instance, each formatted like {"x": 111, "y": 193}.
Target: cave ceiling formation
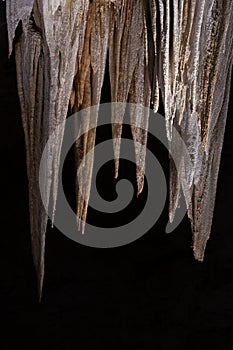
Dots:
{"x": 180, "y": 50}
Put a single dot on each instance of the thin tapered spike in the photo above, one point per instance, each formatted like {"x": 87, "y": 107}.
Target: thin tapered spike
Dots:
{"x": 124, "y": 45}
{"x": 45, "y": 58}
{"x": 89, "y": 87}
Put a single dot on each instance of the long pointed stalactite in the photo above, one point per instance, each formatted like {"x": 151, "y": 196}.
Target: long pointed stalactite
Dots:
{"x": 182, "y": 48}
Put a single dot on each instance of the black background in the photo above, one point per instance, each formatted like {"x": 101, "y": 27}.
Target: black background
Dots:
{"x": 151, "y": 294}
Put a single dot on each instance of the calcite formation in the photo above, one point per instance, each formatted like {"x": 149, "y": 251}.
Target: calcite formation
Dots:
{"x": 181, "y": 49}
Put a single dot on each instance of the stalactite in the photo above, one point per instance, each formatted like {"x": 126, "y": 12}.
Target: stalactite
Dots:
{"x": 46, "y": 56}
{"x": 183, "y": 48}
{"x": 129, "y": 75}
{"x": 194, "y": 99}
{"x": 87, "y": 92}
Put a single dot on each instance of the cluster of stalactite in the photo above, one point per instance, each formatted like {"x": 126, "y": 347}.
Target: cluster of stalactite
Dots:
{"x": 184, "y": 48}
